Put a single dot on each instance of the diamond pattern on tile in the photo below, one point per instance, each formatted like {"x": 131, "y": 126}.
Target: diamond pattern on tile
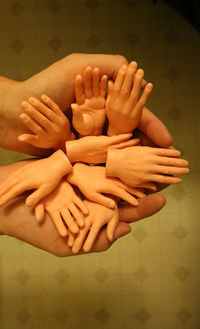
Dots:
{"x": 92, "y": 4}
{"x": 22, "y": 277}
{"x": 131, "y": 38}
{"x": 130, "y": 3}
{"x": 141, "y": 274}
{"x": 101, "y": 274}
{"x": 139, "y": 233}
{"x": 17, "y": 8}
{"x": 171, "y": 36}
{"x": 180, "y": 233}
{"x": 175, "y": 113}
{"x": 143, "y": 315}
{"x": 102, "y": 316}
{"x": 61, "y": 275}
{"x": 53, "y": 6}
{"x": 173, "y": 74}
{"x": 55, "y": 43}
{"x": 17, "y": 46}
{"x": 23, "y": 316}
{"x": 93, "y": 40}
{"x": 183, "y": 315}
{"x": 178, "y": 193}
{"x": 182, "y": 273}
{"x": 62, "y": 316}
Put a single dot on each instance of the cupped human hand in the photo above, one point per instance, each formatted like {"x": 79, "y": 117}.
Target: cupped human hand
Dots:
{"x": 123, "y": 106}
{"x": 89, "y": 110}
{"x": 66, "y": 209}
{"x": 92, "y": 182}
{"x": 93, "y": 149}
{"x": 138, "y": 165}
{"x": 49, "y": 125}
{"x": 41, "y": 175}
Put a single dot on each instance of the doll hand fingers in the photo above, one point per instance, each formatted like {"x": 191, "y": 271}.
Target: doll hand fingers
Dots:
{"x": 87, "y": 82}
{"x": 71, "y": 238}
{"x": 91, "y": 237}
{"x": 31, "y": 139}
{"x": 121, "y": 193}
{"x": 78, "y": 84}
{"x": 148, "y": 186}
{"x": 56, "y": 111}
{"x": 112, "y": 225}
{"x": 12, "y": 193}
{"x": 36, "y": 196}
{"x": 39, "y": 212}
{"x": 80, "y": 238}
{"x": 101, "y": 199}
{"x": 110, "y": 88}
{"x": 131, "y": 142}
{"x": 69, "y": 220}
{"x": 103, "y": 86}
{"x": 59, "y": 223}
{"x": 31, "y": 124}
{"x": 76, "y": 214}
{"x": 95, "y": 81}
{"x": 80, "y": 204}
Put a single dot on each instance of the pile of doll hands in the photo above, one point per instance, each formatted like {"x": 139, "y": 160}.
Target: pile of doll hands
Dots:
{"x": 81, "y": 183}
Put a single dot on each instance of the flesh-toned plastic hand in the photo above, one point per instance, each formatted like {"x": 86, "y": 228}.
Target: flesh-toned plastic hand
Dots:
{"x": 89, "y": 111}
{"x": 123, "y": 108}
{"x": 98, "y": 216}
{"x": 45, "y": 119}
{"x": 63, "y": 205}
{"x": 92, "y": 182}
{"x": 41, "y": 175}
{"x": 93, "y": 149}
{"x": 139, "y": 165}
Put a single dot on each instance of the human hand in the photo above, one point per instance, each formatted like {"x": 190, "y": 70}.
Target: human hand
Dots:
{"x": 123, "y": 108}
{"x": 45, "y": 119}
{"x": 97, "y": 217}
{"x": 89, "y": 110}
{"x": 63, "y": 205}
{"x": 139, "y": 165}
{"x": 92, "y": 182}
{"x": 93, "y": 149}
{"x": 41, "y": 175}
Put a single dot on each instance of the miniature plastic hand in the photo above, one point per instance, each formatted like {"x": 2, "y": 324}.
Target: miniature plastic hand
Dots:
{"x": 41, "y": 175}
{"x": 138, "y": 165}
{"x": 93, "y": 149}
{"x": 63, "y": 205}
{"x": 123, "y": 108}
{"x": 45, "y": 119}
{"x": 89, "y": 111}
{"x": 92, "y": 181}
{"x": 98, "y": 216}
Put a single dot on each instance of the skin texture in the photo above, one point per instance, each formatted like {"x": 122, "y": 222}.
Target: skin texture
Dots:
{"x": 123, "y": 106}
{"x": 138, "y": 165}
{"x": 89, "y": 110}
{"x": 18, "y": 221}
{"x": 49, "y": 125}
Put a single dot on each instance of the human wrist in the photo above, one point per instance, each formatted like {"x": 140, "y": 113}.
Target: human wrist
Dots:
{"x": 112, "y": 161}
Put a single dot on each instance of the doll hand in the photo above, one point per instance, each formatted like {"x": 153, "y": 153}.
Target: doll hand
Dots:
{"x": 93, "y": 149}
{"x": 92, "y": 182}
{"x": 41, "y": 175}
{"x": 141, "y": 164}
{"x": 123, "y": 108}
{"x": 63, "y": 204}
{"x": 50, "y": 126}
{"x": 98, "y": 216}
{"x": 89, "y": 111}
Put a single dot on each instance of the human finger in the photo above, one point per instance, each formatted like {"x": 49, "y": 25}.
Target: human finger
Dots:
{"x": 55, "y": 215}
{"x": 87, "y": 82}
{"x": 78, "y": 86}
{"x": 39, "y": 212}
{"x": 95, "y": 81}
{"x": 103, "y": 86}
{"x": 69, "y": 220}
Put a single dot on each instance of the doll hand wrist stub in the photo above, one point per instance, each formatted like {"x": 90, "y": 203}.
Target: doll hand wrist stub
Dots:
{"x": 41, "y": 175}
{"x": 93, "y": 149}
{"x": 45, "y": 119}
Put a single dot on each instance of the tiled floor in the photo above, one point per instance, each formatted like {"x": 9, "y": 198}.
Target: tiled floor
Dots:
{"x": 150, "y": 279}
